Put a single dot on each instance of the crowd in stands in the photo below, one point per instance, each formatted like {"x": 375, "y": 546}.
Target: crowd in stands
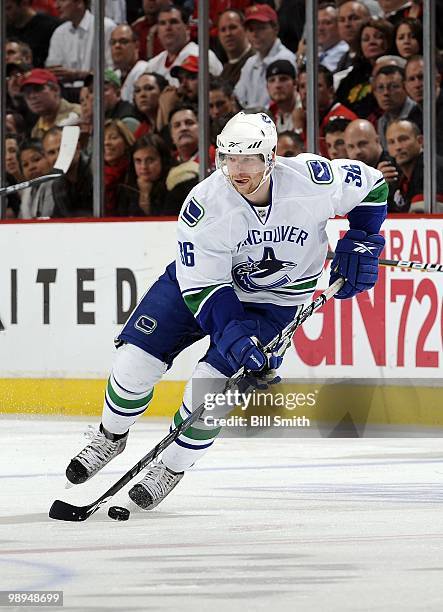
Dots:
{"x": 370, "y": 94}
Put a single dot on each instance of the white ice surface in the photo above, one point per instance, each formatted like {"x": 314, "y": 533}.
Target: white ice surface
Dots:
{"x": 316, "y": 524}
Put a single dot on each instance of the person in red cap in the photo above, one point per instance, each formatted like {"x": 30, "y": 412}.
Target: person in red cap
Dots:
{"x": 187, "y": 74}
{"x": 42, "y": 96}
{"x": 261, "y": 24}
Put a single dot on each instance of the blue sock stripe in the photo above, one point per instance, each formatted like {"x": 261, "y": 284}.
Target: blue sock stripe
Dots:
{"x": 192, "y": 446}
{"x": 185, "y": 408}
{"x": 125, "y": 414}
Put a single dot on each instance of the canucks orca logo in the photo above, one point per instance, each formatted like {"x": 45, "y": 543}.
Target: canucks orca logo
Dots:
{"x": 267, "y": 273}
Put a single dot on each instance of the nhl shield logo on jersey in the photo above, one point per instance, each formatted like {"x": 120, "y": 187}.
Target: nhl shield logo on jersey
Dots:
{"x": 266, "y": 273}
{"x": 192, "y": 213}
{"x": 320, "y": 171}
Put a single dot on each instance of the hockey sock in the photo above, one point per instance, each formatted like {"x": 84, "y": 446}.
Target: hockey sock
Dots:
{"x": 130, "y": 388}
{"x": 191, "y": 445}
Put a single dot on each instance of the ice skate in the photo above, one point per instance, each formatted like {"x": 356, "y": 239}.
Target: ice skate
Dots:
{"x": 155, "y": 486}
{"x": 103, "y": 447}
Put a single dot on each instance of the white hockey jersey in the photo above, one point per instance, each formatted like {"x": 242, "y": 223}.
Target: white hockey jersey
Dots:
{"x": 277, "y": 256}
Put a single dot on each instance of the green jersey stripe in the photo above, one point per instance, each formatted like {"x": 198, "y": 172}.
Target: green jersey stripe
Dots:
{"x": 378, "y": 195}
{"x": 195, "y": 301}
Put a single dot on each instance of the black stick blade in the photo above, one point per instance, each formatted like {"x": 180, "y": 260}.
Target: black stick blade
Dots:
{"x": 63, "y": 511}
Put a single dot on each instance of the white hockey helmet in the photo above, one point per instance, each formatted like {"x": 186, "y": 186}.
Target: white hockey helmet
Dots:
{"x": 248, "y": 134}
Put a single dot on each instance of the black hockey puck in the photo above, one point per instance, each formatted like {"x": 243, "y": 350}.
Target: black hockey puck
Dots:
{"x": 118, "y": 513}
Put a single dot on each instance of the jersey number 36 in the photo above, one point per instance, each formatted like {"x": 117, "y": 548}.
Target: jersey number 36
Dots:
{"x": 187, "y": 254}
{"x": 353, "y": 174}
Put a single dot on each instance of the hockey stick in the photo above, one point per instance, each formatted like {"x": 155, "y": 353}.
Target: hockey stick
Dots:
{"x": 406, "y": 265}
{"x": 68, "y": 145}
{"x": 64, "y": 511}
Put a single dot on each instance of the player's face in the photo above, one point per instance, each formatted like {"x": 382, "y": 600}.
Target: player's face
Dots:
{"x": 245, "y": 171}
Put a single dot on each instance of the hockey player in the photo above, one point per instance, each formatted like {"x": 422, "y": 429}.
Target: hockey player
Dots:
{"x": 251, "y": 246}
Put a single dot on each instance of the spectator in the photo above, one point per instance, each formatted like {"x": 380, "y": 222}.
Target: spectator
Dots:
{"x": 331, "y": 47}
{"x": 261, "y": 25}
{"x": 222, "y": 106}
{"x": 33, "y": 28}
{"x": 414, "y": 75}
{"x": 72, "y": 193}
{"x": 233, "y": 39}
{"x": 13, "y": 52}
{"x": 72, "y": 45}
{"x": 405, "y": 144}
{"x": 392, "y": 99}
{"x": 221, "y": 99}
{"x": 145, "y": 193}
{"x": 124, "y": 51}
{"x": 409, "y": 38}
{"x": 334, "y": 133}
{"x": 363, "y": 143}
{"x": 414, "y": 89}
{"x": 13, "y": 174}
{"x": 352, "y": 14}
{"x": 26, "y": 52}
{"x": 115, "y": 10}
{"x": 291, "y": 16}
{"x": 42, "y": 96}
{"x": 15, "y": 124}
{"x": 147, "y": 31}
{"x": 86, "y": 117}
{"x": 280, "y": 81}
{"x": 328, "y": 105}
{"x": 114, "y": 106}
{"x": 289, "y": 144}
{"x": 147, "y": 91}
{"x": 387, "y": 60}
{"x": 118, "y": 141}
{"x": 33, "y": 163}
{"x": 183, "y": 128}
{"x": 173, "y": 32}
{"x": 15, "y": 101}
{"x": 355, "y": 89}
{"x": 187, "y": 76}
{"x": 12, "y": 164}
{"x": 396, "y": 10}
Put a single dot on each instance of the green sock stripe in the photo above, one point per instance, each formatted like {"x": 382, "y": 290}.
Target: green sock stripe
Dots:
{"x": 193, "y": 433}
{"x": 128, "y": 404}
